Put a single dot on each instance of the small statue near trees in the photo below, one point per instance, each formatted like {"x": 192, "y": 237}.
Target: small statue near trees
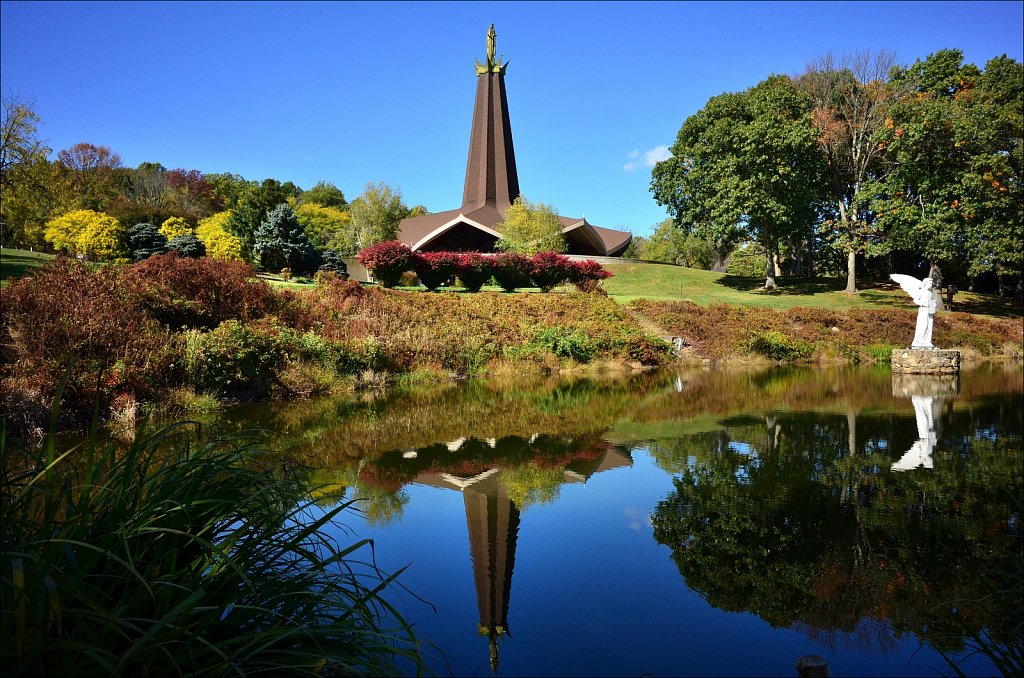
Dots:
{"x": 921, "y": 292}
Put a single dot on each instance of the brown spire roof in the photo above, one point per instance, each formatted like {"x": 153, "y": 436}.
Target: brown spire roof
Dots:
{"x": 492, "y": 183}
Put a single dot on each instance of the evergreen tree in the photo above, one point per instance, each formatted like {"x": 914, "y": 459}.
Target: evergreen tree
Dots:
{"x": 145, "y": 240}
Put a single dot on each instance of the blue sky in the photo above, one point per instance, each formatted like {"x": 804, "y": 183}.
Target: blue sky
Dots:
{"x": 358, "y": 92}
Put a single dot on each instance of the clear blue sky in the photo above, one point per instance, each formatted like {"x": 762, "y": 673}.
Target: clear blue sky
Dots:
{"x": 358, "y": 92}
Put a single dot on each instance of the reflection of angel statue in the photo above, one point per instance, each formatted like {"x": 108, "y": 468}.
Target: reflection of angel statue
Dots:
{"x": 921, "y": 292}
{"x": 920, "y": 453}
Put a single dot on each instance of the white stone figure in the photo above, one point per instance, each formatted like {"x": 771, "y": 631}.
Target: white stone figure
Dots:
{"x": 920, "y": 453}
{"x": 921, "y": 292}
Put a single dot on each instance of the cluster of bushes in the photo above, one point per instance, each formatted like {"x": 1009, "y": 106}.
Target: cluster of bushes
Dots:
{"x": 136, "y": 333}
{"x": 389, "y": 260}
{"x": 796, "y": 334}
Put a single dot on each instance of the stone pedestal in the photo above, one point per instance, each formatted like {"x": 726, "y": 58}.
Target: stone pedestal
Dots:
{"x": 925, "y": 361}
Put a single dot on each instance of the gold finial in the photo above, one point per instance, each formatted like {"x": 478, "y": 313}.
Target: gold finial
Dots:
{"x": 493, "y": 65}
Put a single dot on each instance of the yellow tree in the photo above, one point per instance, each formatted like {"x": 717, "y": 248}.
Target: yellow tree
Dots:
{"x": 214, "y": 235}
{"x": 175, "y": 226}
{"x": 93, "y": 234}
{"x": 327, "y": 227}
{"x": 530, "y": 228}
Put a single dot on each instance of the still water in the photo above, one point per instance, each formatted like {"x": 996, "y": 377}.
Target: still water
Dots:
{"x": 691, "y": 523}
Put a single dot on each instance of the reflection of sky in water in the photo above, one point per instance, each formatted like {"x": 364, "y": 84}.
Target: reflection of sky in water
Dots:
{"x": 593, "y": 593}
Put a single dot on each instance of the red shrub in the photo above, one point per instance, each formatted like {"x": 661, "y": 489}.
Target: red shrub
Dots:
{"x": 435, "y": 268}
{"x": 387, "y": 260}
{"x": 473, "y": 269}
{"x": 185, "y": 292}
{"x": 587, "y": 274}
{"x": 511, "y": 271}
{"x": 550, "y": 269}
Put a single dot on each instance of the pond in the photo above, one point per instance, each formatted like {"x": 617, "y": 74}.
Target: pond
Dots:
{"x": 687, "y": 523}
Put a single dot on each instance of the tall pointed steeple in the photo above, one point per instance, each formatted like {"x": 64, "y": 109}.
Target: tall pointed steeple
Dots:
{"x": 491, "y": 177}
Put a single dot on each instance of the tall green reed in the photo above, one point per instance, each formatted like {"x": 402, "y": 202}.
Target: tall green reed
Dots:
{"x": 176, "y": 557}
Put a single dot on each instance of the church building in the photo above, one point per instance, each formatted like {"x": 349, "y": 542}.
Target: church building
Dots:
{"x": 492, "y": 184}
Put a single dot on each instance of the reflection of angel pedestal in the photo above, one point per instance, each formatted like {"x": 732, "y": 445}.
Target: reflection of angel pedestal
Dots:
{"x": 925, "y": 361}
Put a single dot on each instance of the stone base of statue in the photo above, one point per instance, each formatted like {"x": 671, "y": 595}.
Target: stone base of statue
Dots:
{"x": 925, "y": 361}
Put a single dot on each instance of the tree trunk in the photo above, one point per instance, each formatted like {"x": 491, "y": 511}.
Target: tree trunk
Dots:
{"x": 851, "y": 272}
{"x": 769, "y": 271}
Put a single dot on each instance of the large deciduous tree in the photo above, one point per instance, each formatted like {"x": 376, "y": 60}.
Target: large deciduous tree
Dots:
{"x": 324, "y": 194}
{"x": 376, "y": 213}
{"x": 745, "y": 165}
{"x": 673, "y": 245}
{"x": 327, "y": 227}
{"x": 529, "y": 228}
{"x": 953, "y": 188}
{"x": 93, "y": 171}
{"x": 215, "y": 237}
{"x": 850, "y": 96}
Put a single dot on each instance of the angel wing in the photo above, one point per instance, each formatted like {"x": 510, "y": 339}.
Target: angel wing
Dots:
{"x": 909, "y": 283}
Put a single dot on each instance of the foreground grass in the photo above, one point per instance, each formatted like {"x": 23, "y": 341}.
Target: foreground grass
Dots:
{"x": 172, "y": 558}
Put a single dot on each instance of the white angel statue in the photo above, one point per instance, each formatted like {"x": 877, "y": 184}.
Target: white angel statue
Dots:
{"x": 921, "y": 292}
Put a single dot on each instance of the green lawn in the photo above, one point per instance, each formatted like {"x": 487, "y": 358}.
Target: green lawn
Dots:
{"x": 674, "y": 283}
{"x": 15, "y": 263}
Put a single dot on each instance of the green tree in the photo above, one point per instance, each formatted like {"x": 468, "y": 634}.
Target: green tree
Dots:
{"x": 324, "y": 194}
{"x": 376, "y": 213}
{"x": 218, "y": 242}
{"x": 31, "y": 190}
{"x": 673, "y": 245}
{"x": 745, "y": 165}
{"x": 850, "y": 97}
{"x": 953, "y": 190}
{"x": 530, "y": 228}
{"x": 94, "y": 172}
{"x": 254, "y": 204}
{"x": 230, "y": 187}
{"x": 281, "y": 242}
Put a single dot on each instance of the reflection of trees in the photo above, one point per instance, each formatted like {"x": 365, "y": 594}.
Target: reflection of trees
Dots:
{"x": 808, "y": 536}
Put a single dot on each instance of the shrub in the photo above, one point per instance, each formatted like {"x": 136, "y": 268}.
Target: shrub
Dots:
{"x": 647, "y": 350}
{"x": 197, "y": 292}
{"x": 473, "y": 269}
{"x": 177, "y": 557}
{"x": 565, "y": 343}
{"x": 778, "y": 346}
{"x": 550, "y": 269}
{"x": 187, "y": 245}
{"x": 434, "y": 268}
{"x": 387, "y": 260}
{"x": 233, "y": 360}
{"x": 587, "y": 274}
{"x": 334, "y": 263}
{"x": 286, "y": 274}
{"x": 145, "y": 240}
{"x": 511, "y": 271}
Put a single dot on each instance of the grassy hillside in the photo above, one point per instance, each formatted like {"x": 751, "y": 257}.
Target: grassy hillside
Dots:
{"x": 675, "y": 283}
{"x": 15, "y": 263}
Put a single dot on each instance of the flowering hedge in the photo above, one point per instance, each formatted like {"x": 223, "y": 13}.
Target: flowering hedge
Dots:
{"x": 388, "y": 260}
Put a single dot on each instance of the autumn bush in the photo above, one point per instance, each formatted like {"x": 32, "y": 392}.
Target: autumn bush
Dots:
{"x": 69, "y": 315}
{"x": 511, "y": 271}
{"x": 388, "y": 260}
{"x": 435, "y": 268}
{"x": 550, "y": 269}
{"x": 185, "y": 292}
{"x": 587, "y": 275}
{"x": 473, "y": 270}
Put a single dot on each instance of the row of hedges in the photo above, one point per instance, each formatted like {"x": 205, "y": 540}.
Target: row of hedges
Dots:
{"x": 391, "y": 259}
{"x": 720, "y": 330}
{"x": 134, "y": 333}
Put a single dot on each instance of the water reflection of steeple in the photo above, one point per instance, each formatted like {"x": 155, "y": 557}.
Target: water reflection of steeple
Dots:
{"x": 493, "y": 521}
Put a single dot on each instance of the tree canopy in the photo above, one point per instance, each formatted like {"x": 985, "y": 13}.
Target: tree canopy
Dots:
{"x": 529, "y": 228}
